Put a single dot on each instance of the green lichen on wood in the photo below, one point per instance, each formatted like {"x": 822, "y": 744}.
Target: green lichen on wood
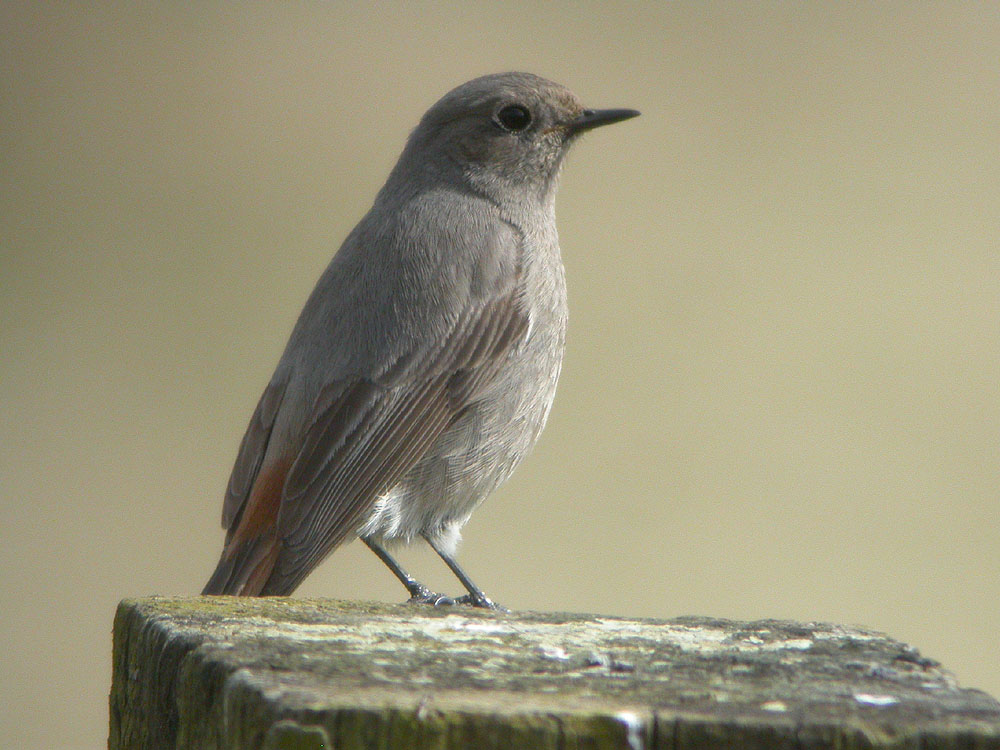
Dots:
{"x": 219, "y": 672}
{"x": 287, "y": 735}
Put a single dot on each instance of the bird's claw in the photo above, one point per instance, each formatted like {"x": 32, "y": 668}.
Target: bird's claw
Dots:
{"x": 426, "y": 596}
{"x": 481, "y": 600}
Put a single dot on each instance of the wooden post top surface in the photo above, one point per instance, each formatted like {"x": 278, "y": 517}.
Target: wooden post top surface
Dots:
{"x": 222, "y": 672}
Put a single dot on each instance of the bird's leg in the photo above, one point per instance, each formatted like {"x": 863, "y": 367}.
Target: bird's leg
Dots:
{"x": 419, "y": 594}
{"x": 475, "y": 597}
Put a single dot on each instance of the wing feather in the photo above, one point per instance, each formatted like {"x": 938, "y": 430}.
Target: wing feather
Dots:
{"x": 365, "y": 435}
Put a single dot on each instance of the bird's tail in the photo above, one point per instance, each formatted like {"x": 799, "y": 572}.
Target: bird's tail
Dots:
{"x": 245, "y": 570}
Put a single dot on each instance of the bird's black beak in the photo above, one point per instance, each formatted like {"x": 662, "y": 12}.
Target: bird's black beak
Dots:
{"x": 594, "y": 118}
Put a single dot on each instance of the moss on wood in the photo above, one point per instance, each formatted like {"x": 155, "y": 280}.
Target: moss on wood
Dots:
{"x": 220, "y": 672}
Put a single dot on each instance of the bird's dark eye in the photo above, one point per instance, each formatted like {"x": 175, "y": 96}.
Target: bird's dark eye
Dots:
{"x": 514, "y": 118}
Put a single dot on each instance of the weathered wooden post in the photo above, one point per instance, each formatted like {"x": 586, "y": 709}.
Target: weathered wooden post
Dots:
{"x": 224, "y": 673}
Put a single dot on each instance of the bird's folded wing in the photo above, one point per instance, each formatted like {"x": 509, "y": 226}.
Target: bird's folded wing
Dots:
{"x": 364, "y": 435}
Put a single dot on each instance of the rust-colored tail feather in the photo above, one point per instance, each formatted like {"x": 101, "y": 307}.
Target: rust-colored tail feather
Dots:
{"x": 252, "y": 543}
{"x": 245, "y": 571}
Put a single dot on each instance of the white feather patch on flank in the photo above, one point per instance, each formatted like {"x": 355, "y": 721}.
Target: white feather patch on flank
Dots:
{"x": 449, "y": 537}
{"x": 385, "y": 518}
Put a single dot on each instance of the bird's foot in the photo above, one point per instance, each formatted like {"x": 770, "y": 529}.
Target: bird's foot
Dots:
{"x": 479, "y": 599}
{"x": 423, "y": 595}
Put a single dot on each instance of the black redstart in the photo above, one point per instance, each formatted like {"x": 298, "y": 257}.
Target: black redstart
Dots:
{"x": 423, "y": 366}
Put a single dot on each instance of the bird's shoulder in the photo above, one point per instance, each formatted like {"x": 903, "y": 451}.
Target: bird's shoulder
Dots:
{"x": 410, "y": 279}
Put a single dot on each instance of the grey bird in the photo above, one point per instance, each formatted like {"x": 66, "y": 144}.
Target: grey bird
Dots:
{"x": 423, "y": 366}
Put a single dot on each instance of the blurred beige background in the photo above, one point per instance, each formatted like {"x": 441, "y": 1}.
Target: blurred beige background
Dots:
{"x": 780, "y": 397}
